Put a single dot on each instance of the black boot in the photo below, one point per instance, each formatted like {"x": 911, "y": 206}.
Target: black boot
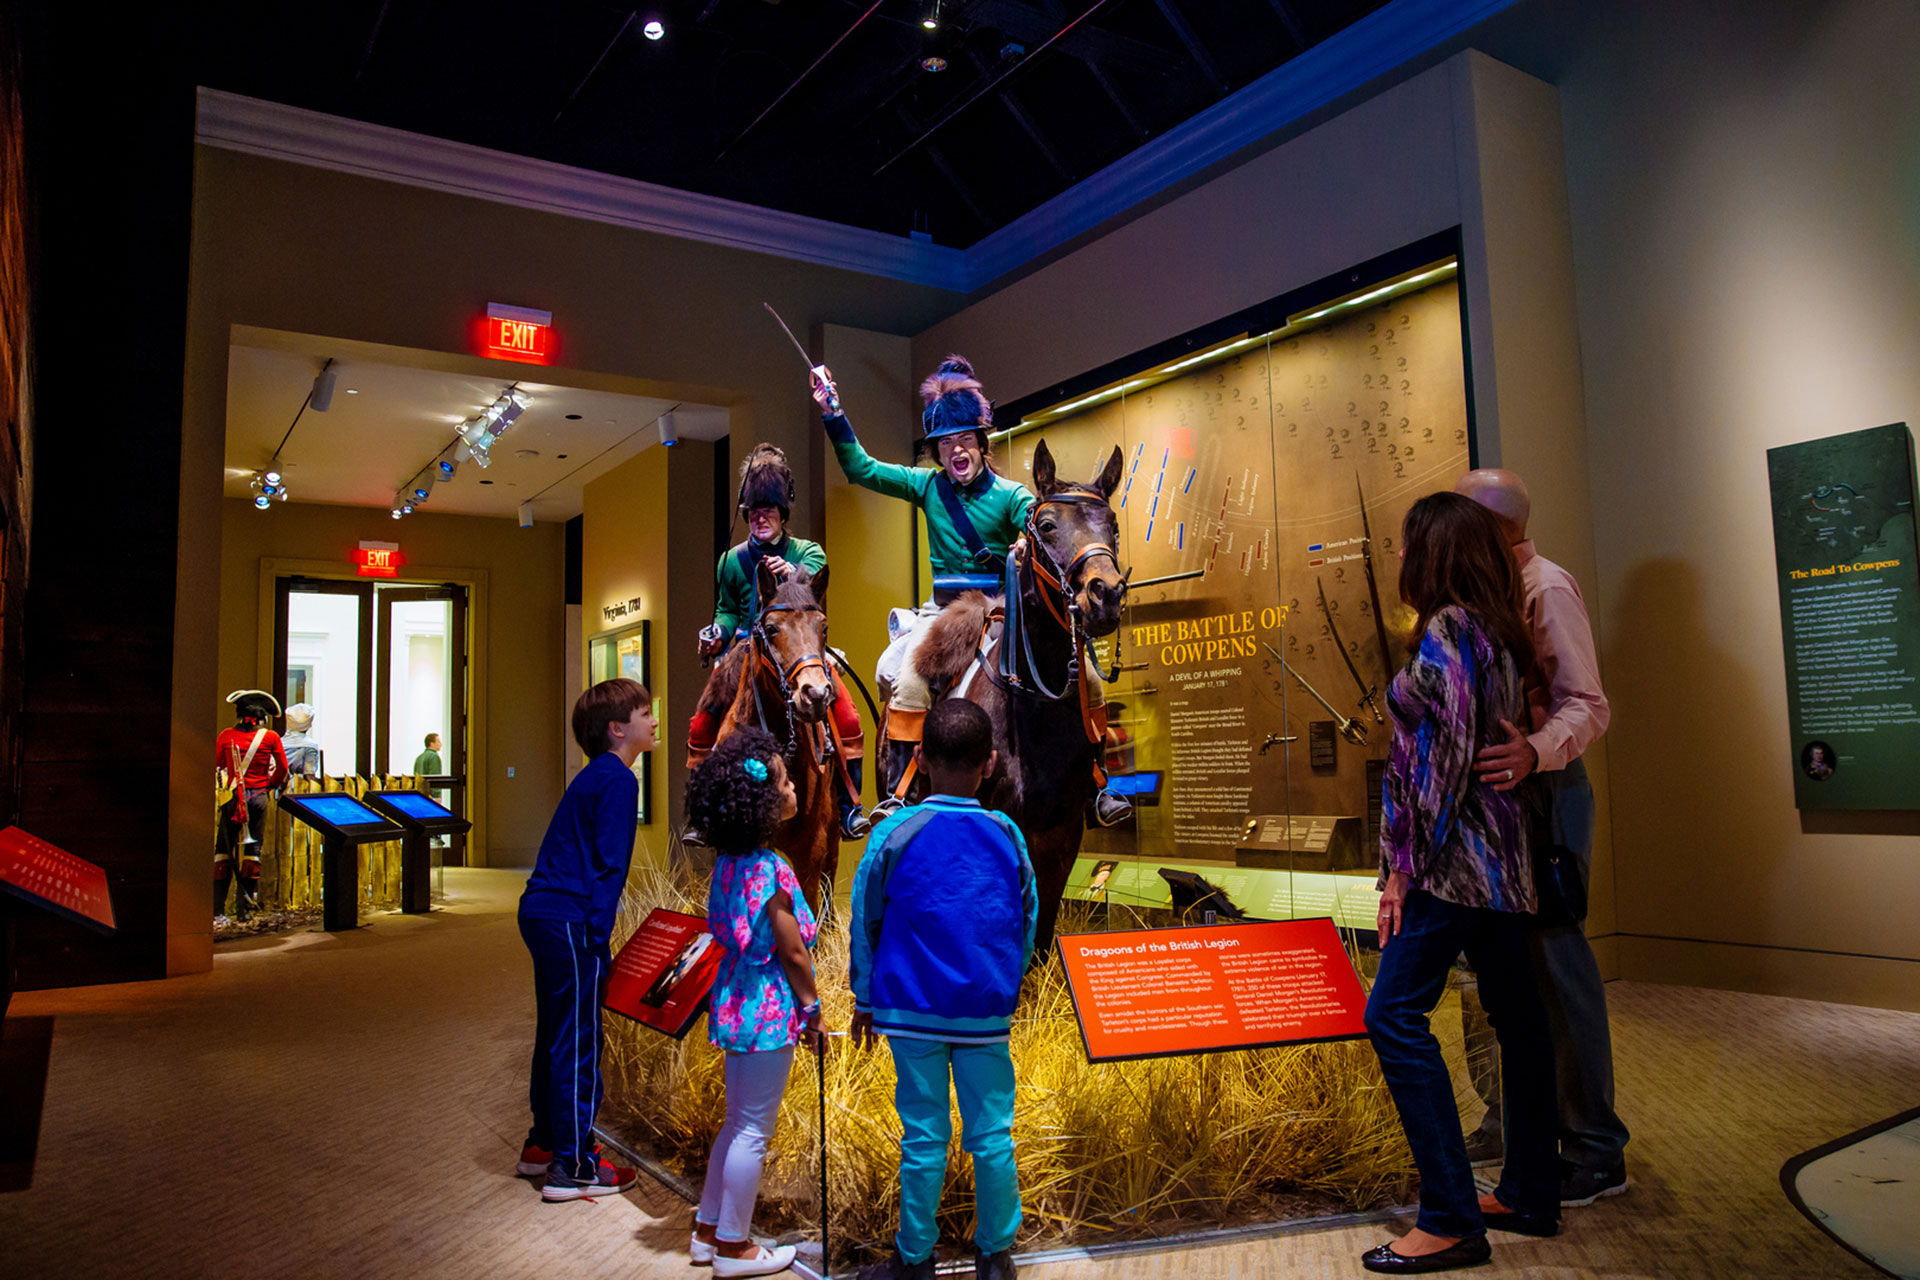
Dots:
{"x": 854, "y": 824}
{"x": 994, "y": 1266}
{"x": 246, "y": 896}
{"x": 221, "y": 884}
{"x": 894, "y": 759}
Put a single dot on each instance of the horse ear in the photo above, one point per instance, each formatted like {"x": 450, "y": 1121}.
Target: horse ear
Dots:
{"x": 1044, "y": 478}
{"x": 1109, "y": 478}
{"x": 819, "y": 584}
{"x": 767, "y": 582}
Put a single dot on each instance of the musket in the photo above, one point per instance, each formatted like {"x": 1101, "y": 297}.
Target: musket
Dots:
{"x": 817, "y": 370}
{"x": 1366, "y": 690}
{"x": 1373, "y": 585}
{"x": 1352, "y": 730}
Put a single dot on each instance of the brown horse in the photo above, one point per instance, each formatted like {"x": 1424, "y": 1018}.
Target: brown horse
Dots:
{"x": 1032, "y": 678}
{"x": 790, "y": 694}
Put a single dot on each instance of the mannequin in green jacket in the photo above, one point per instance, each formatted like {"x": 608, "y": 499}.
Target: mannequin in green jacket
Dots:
{"x": 954, "y": 428}
{"x": 766, "y": 501}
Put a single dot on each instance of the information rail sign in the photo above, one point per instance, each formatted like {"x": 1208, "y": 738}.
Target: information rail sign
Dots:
{"x": 1159, "y": 993}
{"x": 50, "y": 877}
{"x": 664, "y": 973}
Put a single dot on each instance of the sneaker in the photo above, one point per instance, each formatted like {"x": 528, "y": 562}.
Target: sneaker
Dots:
{"x": 898, "y": 1268}
{"x": 854, "y": 823}
{"x": 691, "y": 836}
{"x": 994, "y": 1266}
{"x": 699, "y": 1251}
{"x": 609, "y": 1180}
{"x": 1110, "y": 810}
{"x": 1580, "y": 1187}
{"x": 763, "y": 1263}
{"x": 534, "y": 1160}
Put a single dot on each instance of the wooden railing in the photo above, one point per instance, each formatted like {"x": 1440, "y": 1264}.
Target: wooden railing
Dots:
{"x": 290, "y": 851}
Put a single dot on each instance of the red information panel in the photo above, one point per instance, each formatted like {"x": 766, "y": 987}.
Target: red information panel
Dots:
{"x": 1157, "y": 993}
{"x": 51, "y": 877}
{"x": 662, "y": 976}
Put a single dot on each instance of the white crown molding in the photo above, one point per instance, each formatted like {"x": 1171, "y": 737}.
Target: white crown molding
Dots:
{"x": 1337, "y": 66}
{"x": 238, "y": 123}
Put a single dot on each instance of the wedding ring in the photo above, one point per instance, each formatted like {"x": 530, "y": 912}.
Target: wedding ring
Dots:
{"x": 1509, "y": 775}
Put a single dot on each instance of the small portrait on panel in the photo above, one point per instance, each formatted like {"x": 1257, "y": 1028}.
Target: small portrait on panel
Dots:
{"x": 1102, "y": 872}
{"x": 1817, "y": 761}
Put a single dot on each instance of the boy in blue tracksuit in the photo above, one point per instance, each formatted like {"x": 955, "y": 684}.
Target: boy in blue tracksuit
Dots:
{"x": 566, "y": 920}
{"x": 944, "y": 909}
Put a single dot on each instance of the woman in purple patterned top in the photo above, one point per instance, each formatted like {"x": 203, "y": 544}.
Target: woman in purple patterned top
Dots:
{"x": 1456, "y": 877}
{"x": 765, "y": 1000}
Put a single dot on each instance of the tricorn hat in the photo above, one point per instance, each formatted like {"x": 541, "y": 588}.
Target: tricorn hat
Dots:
{"x": 255, "y": 704}
{"x": 955, "y": 402}
{"x": 766, "y": 480}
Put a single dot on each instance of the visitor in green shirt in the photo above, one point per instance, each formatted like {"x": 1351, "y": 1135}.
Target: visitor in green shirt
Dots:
{"x": 427, "y": 763}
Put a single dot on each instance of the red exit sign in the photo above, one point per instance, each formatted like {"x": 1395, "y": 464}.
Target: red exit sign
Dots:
{"x": 378, "y": 559}
{"x": 517, "y": 333}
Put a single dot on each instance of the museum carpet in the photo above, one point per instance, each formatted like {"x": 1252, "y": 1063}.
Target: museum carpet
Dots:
{"x": 352, "y": 1105}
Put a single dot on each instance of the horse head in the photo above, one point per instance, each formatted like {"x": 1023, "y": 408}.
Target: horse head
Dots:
{"x": 792, "y": 628}
{"x": 1075, "y": 527}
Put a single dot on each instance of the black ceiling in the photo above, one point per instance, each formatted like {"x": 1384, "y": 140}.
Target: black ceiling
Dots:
{"x": 1036, "y": 94}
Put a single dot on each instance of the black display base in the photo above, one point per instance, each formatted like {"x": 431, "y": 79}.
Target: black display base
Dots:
{"x": 339, "y": 885}
{"x": 416, "y": 874}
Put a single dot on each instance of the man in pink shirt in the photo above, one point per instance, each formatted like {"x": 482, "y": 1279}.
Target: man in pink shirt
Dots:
{"x": 1569, "y": 712}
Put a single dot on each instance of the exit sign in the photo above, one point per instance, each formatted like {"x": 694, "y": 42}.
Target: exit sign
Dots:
{"x": 378, "y": 559}
{"x": 517, "y": 333}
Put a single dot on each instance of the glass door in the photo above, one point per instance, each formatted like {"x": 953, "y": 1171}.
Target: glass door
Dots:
{"x": 322, "y": 656}
{"x": 420, "y": 694}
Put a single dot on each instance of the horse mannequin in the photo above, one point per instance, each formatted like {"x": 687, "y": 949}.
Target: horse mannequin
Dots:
{"x": 789, "y": 692}
{"x": 1031, "y": 679}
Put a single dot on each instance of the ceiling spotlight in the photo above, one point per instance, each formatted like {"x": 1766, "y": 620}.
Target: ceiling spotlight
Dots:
{"x": 272, "y": 477}
{"x": 669, "y": 433}
{"x": 397, "y": 513}
{"x": 933, "y": 62}
{"x": 406, "y": 508}
{"x": 447, "y": 467}
{"x": 654, "y": 29}
{"x": 526, "y": 514}
{"x": 482, "y": 459}
{"x": 932, "y": 21}
{"x": 268, "y": 488}
{"x": 263, "y": 502}
{"x": 321, "y": 397}
{"x": 420, "y": 492}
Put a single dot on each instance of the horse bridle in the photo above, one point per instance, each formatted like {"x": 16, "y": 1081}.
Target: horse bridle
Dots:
{"x": 1046, "y": 571}
{"x": 763, "y": 649}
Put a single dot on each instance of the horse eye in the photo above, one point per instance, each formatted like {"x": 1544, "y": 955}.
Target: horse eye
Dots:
{"x": 1046, "y": 526}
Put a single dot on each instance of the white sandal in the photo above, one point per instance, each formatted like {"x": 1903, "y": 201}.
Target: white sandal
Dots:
{"x": 765, "y": 1263}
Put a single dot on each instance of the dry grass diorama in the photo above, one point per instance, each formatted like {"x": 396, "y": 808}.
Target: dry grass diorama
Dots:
{"x": 1106, "y": 1152}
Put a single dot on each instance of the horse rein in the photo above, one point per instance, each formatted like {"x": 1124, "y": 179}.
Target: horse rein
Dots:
{"x": 763, "y": 657}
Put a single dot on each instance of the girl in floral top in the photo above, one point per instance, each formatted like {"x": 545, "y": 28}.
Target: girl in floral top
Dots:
{"x": 764, "y": 998}
{"x": 1455, "y": 877}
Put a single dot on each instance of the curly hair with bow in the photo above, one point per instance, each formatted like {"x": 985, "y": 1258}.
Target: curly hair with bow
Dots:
{"x": 734, "y": 796}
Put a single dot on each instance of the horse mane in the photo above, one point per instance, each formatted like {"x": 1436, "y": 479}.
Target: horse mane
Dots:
{"x": 952, "y": 640}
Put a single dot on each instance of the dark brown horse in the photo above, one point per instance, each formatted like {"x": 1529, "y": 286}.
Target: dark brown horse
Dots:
{"x": 790, "y": 694}
{"x": 1033, "y": 677}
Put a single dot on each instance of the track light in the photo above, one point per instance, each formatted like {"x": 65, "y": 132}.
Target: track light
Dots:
{"x": 420, "y": 492}
{"x": 526, "y": 514}
{"x": 263, "y": 502}
{"x": 268, "y": 488}
{"x": 654, "y": 29}
{"x": 932, "y": 21}
{"x": 669, "y": 432}
{"x": 447, "y": 468}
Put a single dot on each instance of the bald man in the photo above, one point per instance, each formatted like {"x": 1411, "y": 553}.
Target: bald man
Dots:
{"x": 1568, "y": 712}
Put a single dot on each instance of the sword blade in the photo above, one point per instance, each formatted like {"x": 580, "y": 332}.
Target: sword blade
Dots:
{"x": 1303, "y": 681}
{"x": 790, "y": 338}
{"x": 1373, "y": 583}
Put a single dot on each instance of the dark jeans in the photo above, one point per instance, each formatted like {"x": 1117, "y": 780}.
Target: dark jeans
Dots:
{"x": 1413, "y": 974}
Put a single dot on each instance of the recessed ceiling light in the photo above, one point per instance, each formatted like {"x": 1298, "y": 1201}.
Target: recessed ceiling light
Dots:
{"x": 654, "y": 29}
{"x": 561, "y": 456}
{"x": 353, "y": 391}
{"x": 573, "y": 417}
{"x": 526, "y": 453}
{"x": 933, "y": 62}
{"x": 486, "y": 482}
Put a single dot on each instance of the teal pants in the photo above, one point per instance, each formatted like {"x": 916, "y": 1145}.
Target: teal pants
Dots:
{"x": 983, "y": 1082}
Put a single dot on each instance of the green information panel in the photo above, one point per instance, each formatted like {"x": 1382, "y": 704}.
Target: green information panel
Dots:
{"x": 1843, "y": 539}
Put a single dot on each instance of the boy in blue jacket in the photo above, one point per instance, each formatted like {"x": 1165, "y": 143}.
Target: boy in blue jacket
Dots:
{"x": 944, "y": 908}
{"x": 566, "y": 919}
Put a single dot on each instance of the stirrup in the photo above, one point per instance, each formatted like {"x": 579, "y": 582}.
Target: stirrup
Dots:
{"x": 1110, "y": 810}
{"x": 891, "y": 805}
{"x": 854, "y": 823}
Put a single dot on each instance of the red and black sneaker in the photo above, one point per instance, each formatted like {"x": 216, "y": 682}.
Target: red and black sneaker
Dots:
{"x": 534, "y": 1160}
{"x": 608, "y": 1180}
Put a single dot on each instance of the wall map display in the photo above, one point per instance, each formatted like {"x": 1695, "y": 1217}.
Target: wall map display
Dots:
{"x": 1844, "y": 546}
{"x": 1273, "y": 471}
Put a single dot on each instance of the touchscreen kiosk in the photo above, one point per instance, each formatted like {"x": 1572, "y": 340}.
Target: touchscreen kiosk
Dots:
{"x": 344, "y": 824}
{"x": 423, "y": 818}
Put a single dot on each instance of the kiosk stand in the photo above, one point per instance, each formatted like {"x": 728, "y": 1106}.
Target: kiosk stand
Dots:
{"x": 344, "y": 825}
{"x": 423, "y": 818}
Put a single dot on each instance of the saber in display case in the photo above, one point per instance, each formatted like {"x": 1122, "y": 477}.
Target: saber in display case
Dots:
{"x": 344, "y": 825}
{"x": 423, "y": 818}
{"x": 1373, "y": 585}
{"x": 1350, "y": 729}
{"x": 1367, "y": 691}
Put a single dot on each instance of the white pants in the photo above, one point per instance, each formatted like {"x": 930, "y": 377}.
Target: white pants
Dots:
{"x": 755, "y": 1084}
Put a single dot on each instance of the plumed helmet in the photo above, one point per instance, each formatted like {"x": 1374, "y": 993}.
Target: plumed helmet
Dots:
{"x": 955, "y": 402}
{"x": 766, "y": 480}
{"x": 254, "y": 704}
{"x": 299, "y": 718}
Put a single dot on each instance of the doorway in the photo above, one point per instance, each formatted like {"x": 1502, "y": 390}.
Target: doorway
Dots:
{"x": 384, "y": 669}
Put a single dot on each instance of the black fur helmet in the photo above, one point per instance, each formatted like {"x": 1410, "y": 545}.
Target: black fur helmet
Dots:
{"x": 766, "y": 480}
{"x": 955, "y": 402}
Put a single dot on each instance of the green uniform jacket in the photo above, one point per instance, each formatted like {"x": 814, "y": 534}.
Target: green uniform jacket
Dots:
{"x": 737, "y": 601}
{"x": 997, "y": 506}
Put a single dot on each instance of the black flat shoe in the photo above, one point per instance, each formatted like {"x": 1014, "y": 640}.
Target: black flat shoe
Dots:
{"x": 1472, "y": 1251}
{"x": 1521, "y": 1224}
